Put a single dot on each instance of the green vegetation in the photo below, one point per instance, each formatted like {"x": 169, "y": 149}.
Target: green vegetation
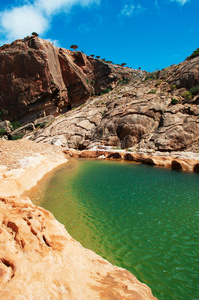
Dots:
{"x": 43, "y": 124}
{"x": 173, "y": 87}
{"x": 151, "y": 76}
{"x": 124, "y": 81}
{"x": 152, "y": 91}
{"x": 194, "y": 90}
{"x": 187, "y": 95}
{"x": 2, "y": 132}
{"x": 16, "y": 125}
{"x": 174, "y": 101}
{"x": 105, "y": 91}
{"x": 158, "y": 83}
{"x": 194, "y": 54}
{"x": 17, "y": 137}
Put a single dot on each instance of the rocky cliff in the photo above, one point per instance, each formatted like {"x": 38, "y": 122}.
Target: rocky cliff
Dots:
{"x": 37, "y": 79}
{"x": 156, "y": 112}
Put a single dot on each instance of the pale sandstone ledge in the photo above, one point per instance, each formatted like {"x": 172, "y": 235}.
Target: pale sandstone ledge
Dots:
{"x": 181, "y": 161}
{"x": 24, "y": 163}
{"x": 38, "y": 258}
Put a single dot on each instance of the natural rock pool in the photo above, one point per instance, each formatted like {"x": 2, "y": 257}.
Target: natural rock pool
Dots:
{"x": 138, "y": 217}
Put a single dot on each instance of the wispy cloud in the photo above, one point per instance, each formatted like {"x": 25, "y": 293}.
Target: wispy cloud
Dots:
{"x": 129, "y": 9}
{"x": 181, "y": 2}
{"x": 54, "y": 42}
{"x": 20, "y": 21}
{"x": 83, "y": 28}
{"x": 51, "y": 7}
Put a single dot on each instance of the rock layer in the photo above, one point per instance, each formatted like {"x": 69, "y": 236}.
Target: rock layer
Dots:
{"x": 37, "y": 251}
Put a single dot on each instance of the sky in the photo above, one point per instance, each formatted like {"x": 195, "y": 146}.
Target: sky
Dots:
{"x": 150, "y": 34}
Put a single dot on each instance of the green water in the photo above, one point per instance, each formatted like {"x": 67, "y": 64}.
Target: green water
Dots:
{"x": 138, "y": 217}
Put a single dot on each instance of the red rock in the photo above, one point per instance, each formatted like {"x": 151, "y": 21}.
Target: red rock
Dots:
{"x": 35, "y": 76}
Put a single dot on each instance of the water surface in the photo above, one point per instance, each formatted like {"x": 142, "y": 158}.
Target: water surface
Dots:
{"x": 138, "y": 217}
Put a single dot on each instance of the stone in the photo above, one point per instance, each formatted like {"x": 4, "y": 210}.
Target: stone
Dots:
{"x": 6, "y": 125}
{"x": 21, "y": 131}
{"x": 36, "y": 250}
{"x": 43, "y": 121}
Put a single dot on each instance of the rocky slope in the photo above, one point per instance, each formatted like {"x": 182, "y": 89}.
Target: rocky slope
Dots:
{"x": 157, "y": 113}
{"x": 37, "y": 79}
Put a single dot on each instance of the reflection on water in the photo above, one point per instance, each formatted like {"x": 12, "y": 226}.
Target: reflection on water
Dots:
{"x": 138, "y": 217}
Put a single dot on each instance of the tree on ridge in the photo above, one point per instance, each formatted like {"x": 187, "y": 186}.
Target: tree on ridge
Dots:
{"x": 74, "y": 47}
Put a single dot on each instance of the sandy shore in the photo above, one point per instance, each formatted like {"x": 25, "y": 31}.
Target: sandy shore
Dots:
{"x": 23, "y": 163}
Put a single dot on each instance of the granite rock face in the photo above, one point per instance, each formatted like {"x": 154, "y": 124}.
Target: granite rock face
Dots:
{"x": 40, "y": 260}
{"x": 38, "y": 79}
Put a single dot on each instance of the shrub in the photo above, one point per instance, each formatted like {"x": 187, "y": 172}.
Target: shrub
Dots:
{"x": 16, "y": 125}
{"x": 105, "y": 91}
{"x": 173, "y": 87}
{"x": 43, "y": 124}
{"x": 158, "y": 83}
{"x": 194, "y": 90}
{"x": 187, "y": 95}
{"x": 2, "y": 132}
{"x": 17, "y": 137}
{"x": 194, "y": 54}
{"x": 174, "y": 101}
{"x": 124, "y": 81}
{"x": 151, "y": 76}
{"x": 152, "y": 91}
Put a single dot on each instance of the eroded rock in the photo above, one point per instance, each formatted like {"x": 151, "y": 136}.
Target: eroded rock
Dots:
{"x": 37, "y": 251}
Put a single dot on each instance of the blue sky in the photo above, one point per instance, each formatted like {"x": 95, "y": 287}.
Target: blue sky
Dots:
{"x": 151, "y": 34}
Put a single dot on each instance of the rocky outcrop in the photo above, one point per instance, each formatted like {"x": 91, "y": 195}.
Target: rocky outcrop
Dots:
{"x": 37, "y": 251}
{"x": 180, "y": 161}
{"x": 38, "y": 79}
{"x": 186, "y": 75}
{"x": 144, "y": 114}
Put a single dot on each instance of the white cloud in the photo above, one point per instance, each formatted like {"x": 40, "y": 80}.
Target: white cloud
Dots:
{"x": 54, "y": 42}
{"x": 181, "y": 2}
{"x": 20, "y": 21}
{"x": 54, "y": 6}
{"x": 129, "y": 9}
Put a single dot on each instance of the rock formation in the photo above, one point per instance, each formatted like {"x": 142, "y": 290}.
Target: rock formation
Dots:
{"x": 36, "y": 79}
{"x": 40, "y": 260}
{"x": 151, "y": 114}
